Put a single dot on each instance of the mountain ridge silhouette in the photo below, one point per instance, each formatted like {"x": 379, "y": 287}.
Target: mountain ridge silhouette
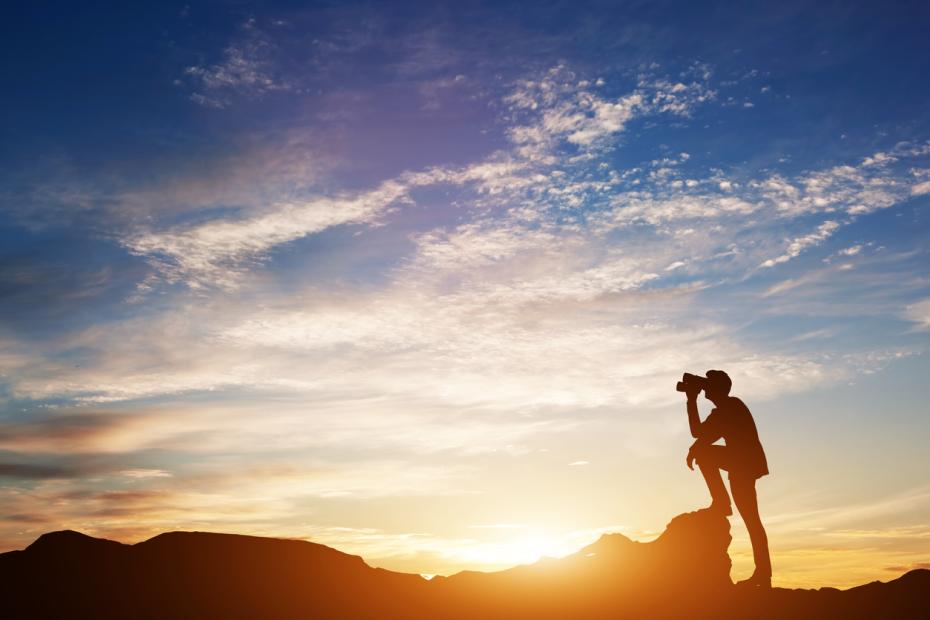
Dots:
{"x": 684, "y": 572}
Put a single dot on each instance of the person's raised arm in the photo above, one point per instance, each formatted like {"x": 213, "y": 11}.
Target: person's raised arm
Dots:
{"x": 694, "y": 421}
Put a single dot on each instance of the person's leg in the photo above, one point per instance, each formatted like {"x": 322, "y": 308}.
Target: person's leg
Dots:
{"x": 711, "y": 459}
{"x": 744, "y": 494}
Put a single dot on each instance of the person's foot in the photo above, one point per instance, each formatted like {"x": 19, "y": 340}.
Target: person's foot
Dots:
{"x": 721, "y": 508}
{"x": 756, "y": 581}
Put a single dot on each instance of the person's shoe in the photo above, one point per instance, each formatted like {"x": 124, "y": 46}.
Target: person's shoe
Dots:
{"x": 756, "y": 581}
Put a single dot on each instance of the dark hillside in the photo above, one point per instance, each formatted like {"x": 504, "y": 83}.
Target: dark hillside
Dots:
{"x": 683, "y": 573}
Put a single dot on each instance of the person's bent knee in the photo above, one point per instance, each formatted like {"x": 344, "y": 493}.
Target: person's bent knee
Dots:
{"x": 706, "y": 456}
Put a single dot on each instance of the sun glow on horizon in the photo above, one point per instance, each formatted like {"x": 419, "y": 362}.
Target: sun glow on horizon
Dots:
{"x": 524, "y": 549}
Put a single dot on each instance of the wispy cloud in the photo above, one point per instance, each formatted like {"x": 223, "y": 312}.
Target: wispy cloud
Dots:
{"x": 210, "y": 254}
{"x": 921, "y": 188}
{"x": 551, "y": 237}
{"x": 802, "y": 243}
{"x": 564, "y": 111}
{"x": 919, "y": 313}
{"x": 560, "y": 131}
{"x": 247, "y": 69}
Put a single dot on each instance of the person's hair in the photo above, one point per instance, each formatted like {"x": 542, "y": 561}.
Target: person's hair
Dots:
{"x": 719, "y": 380}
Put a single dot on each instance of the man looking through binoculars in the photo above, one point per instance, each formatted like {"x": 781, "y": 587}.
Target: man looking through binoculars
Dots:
{"x": 742, "y": 456}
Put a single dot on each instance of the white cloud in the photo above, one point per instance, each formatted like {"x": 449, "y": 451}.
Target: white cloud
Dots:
{"x": 564, "y": 331}
{"x": 479, "y": 244}
{"x": 919, "y": 313}
{"x": 215, "y": 252}
{"x": 146, "y": 473}
{"x": 247, "y": 69}
{"x": 658, "y": 209}
{"x": 559, "y": 132}
{"x": 583, "y": 118}
{"x": 920, "y": 189}
{"x": 550, "y": 295}
{"x": 800, "y": 244}
{"x": 211, "y": 253}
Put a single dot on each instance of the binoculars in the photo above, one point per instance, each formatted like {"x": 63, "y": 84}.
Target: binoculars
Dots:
{"x": 688, "y": 380}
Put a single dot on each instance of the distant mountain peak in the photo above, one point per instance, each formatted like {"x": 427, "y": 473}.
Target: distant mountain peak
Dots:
{"x": 69, "y": 540}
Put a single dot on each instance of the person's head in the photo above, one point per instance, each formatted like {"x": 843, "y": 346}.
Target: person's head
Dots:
{"x": 718, "y": 385}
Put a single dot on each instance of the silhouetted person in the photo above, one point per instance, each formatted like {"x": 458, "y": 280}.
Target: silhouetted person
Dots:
{"x": 742, "y": 457}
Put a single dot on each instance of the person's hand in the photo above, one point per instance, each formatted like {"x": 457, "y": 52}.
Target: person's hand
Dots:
{"x": 689, "y": 460}
{"x": 692, "y": 392}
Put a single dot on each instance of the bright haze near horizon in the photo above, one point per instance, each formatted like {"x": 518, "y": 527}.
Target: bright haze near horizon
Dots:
{"x": 417, "y": 280}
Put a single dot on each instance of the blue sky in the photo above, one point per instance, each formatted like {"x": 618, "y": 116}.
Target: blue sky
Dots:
{"x": 416, "y": 280}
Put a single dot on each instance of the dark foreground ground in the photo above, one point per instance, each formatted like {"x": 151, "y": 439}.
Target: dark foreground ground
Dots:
{"x": 682, "y": 574}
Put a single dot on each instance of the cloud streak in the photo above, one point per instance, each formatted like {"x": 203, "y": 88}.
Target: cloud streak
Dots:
{"x": 559, "y": 111}
{"x": 248, "y": 69}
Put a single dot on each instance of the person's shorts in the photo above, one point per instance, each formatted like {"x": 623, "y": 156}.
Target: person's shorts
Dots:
{"x": 723, "y": 458}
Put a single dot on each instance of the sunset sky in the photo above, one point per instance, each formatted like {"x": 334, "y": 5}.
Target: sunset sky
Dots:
{"x": 416, "y": 280}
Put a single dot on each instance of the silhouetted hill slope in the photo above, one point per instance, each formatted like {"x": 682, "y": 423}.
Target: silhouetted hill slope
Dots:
{"x": 195, "y": 575}
{"x": 685, "y": 572}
